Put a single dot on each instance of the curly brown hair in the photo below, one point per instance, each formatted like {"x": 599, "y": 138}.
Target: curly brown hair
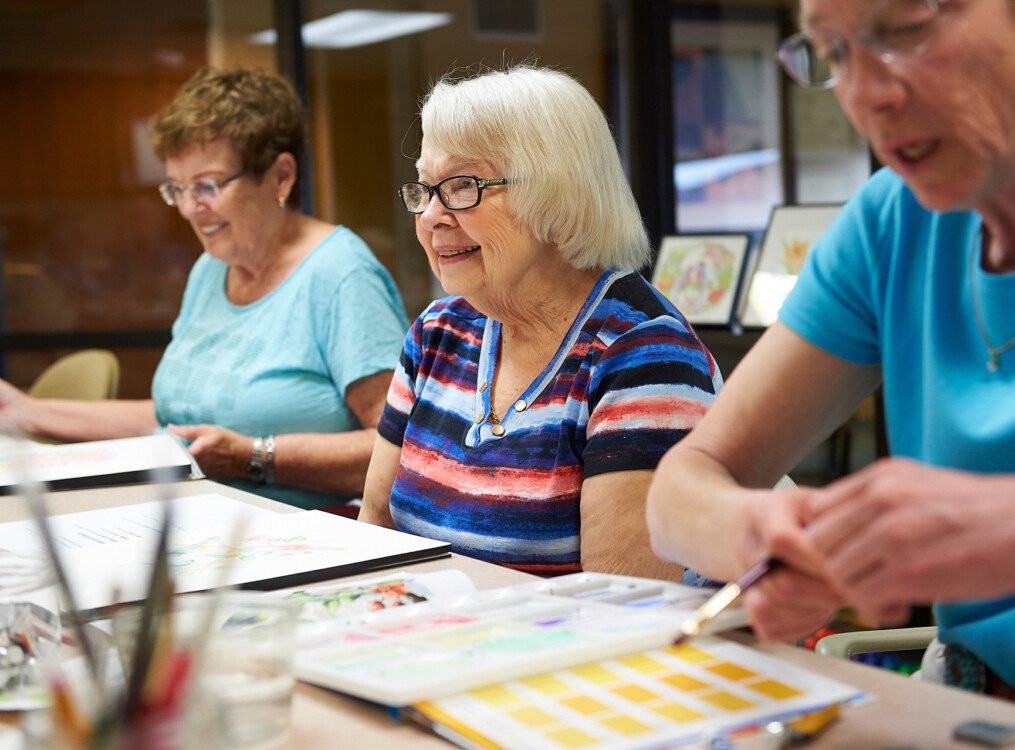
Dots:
{"x": 258, "y": 112}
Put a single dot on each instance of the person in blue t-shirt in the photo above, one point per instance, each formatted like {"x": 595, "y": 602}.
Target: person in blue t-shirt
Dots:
{"x": 913, "y": 288}
{"x": 290, "y": 329}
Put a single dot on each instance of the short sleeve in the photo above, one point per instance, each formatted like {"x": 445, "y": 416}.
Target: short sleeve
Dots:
{"x": 367, "y": 325}
{"x": 402, "y": 392}
{"x": 833, "y": 303}
{"x": 648, "y": 389}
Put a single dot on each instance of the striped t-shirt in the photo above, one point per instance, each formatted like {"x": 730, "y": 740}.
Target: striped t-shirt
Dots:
{"x": 629, "y": 380}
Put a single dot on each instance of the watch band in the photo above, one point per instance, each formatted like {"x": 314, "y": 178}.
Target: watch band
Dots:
{"x": 269, "y": 459}
{"x": 261, "y": 466}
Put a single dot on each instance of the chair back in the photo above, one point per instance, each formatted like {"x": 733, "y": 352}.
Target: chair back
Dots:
{"x": 91, "y": 374}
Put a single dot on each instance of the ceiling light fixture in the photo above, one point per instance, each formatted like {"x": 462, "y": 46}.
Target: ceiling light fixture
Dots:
{"x": 356, "y": 28}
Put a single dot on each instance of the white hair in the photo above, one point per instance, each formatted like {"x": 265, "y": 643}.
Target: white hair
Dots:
{"x": 543, "y": 129}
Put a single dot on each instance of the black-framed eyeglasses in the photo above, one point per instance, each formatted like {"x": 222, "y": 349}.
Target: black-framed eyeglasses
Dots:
{"x": 898, "y": 29}
{"x": 203, "y": 190}
{"x": 456, "y": 193}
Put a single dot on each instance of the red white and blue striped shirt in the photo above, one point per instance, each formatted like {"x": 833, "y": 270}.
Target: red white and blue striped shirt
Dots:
{"x": 629, "y": 380}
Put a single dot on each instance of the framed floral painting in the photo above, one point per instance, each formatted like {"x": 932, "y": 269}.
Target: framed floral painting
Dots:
{"x": 791, "y": 233}
{"x": 700, "y": 274}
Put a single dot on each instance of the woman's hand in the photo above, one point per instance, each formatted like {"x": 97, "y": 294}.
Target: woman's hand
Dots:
{"x": 218, "y": 451}
{"x": 797, "y": 598}
{"x": 901, "y": 533}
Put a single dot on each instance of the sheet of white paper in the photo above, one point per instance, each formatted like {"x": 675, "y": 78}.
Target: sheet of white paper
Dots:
{"x": 48, "y": 463}
{"x": 138, "y": 523}
{"x": 274, "y": 551}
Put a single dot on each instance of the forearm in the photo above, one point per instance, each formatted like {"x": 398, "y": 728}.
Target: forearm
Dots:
{"x": 614, "y": 538}
{"x": 333, "y": 463}
{"x": 384, "y": 463}
{"x": 696, "y": 512}
{"x": 75, "y": 421}
{"x": 629, "y": 560}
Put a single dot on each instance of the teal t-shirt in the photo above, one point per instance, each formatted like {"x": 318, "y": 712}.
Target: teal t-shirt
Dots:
{"x": 890, "y": 284}
{"x": 282, "y": 364}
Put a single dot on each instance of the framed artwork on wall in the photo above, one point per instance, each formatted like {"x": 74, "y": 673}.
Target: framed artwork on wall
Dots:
{"x": 791, "y": 233}
{"x": 700, "y": 274}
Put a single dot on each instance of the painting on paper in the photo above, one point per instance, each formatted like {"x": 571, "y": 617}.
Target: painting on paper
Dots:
{"x": 700, "y": 274}
{"x": 792, "y": 232}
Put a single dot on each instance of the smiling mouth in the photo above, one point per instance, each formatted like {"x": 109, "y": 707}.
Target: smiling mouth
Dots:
{"x": 462, "y": 251}
{"x": 211, "y": 228}
{"x": 916, "y": 151}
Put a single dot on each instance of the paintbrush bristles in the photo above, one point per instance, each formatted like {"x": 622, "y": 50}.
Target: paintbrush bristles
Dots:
{"x": 719, "y": 601}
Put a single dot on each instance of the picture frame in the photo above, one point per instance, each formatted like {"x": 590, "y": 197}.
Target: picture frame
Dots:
{"x": 701, "y": 275}
{"x": 791, "y": 233}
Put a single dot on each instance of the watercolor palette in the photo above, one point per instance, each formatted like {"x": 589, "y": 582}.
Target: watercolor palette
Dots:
{"x": 438, "y": 648}
{"x": 678, "y": 599}
{"x": 658, "y": 698}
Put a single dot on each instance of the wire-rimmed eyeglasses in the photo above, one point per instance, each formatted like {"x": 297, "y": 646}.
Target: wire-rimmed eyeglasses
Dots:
{"x": 203, "y": 190}
{"x": 899, "y": 29}
{"x": 456, "y": 193}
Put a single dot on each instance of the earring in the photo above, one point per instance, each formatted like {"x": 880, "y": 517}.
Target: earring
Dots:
{"x": 281, "y": 201}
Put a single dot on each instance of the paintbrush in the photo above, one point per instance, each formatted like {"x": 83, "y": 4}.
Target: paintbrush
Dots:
{"x": 722, "y": 599}
{"x": 32, "y": 493}
{"x": 151, "y": 613}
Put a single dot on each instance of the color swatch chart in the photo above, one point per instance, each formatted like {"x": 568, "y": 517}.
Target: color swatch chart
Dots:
{"x": 663, "y": 697}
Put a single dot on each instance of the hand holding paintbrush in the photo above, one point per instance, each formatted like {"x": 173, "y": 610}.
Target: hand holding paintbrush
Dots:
{"x": 723, "y": 598}
{"x": 801, "y": 562}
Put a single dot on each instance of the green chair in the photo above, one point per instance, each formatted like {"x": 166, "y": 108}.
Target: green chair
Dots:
{"x": 845, "y": 645}
{"x": 91, "y": 374}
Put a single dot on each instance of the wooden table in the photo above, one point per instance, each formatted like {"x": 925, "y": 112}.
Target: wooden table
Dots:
{"x": 903, "y": 712}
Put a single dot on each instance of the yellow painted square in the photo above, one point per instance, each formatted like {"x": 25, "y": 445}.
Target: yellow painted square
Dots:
{"x": 678, "y": 713}
{"x": 728, "y": 701}
{"x": 584, "y": 704}
{"x": 683, "y": 682}
{"x": 626, "y": 725}
{"x": 595, "y": 673}
{"x": 572, "y": 737}
{"x": 635, "y": 693}
{"x": 496, "y": 695}
{"x": 731, "y": 672}
{"x": 531, "y": 716}
{"x": 546, "y": 684}
{"x": 642, "y": 663}
{"x": 690, "y": 654}
{"x": 774, "y": 689}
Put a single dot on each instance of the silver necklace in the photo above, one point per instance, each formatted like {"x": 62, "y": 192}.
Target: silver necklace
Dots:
{"x": 995, "y": 352}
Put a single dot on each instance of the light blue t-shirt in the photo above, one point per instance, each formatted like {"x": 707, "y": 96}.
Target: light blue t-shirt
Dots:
{"x": 282, "y": 364}
{"x": 890, "y": 284}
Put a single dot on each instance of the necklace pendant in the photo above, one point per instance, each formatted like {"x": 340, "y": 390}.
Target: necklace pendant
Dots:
{"x": 992, "y": 363}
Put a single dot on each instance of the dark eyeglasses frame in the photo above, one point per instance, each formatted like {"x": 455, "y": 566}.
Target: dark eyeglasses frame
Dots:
{"x": 168, "y": 185}
{"x": 481, "y": 184}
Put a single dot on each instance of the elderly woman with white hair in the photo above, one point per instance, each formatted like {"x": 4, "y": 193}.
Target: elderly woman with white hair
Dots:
{"x": 531, "y": 406}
